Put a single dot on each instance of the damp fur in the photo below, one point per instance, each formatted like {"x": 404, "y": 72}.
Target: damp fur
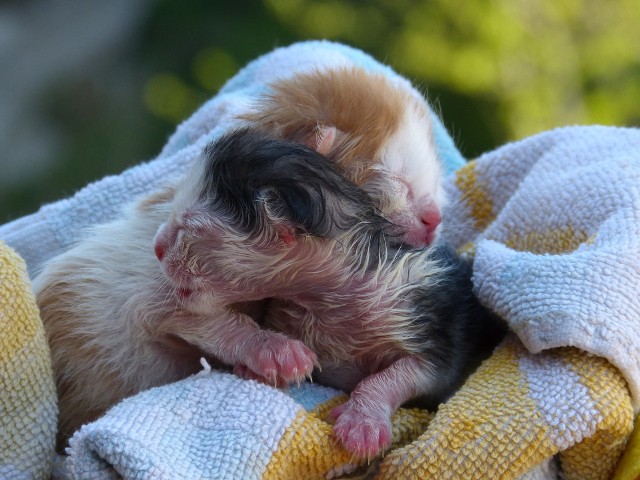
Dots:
{"x": 265, "y": 259}
{"x": 230, "y": 234}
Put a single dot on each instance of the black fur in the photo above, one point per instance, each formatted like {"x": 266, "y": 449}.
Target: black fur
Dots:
{"x": 456, "y": 329}
{"x": 247, "y": 170}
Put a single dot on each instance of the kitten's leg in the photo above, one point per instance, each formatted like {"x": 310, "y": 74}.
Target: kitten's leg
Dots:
{"x": 281, "y": 320}
{"x": 363, "y": 423}
{"x": 246, "y": 373}
{"x": 236, "y": 339}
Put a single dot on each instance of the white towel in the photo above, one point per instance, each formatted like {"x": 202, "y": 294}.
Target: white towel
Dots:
{"x": 555, "y": 223}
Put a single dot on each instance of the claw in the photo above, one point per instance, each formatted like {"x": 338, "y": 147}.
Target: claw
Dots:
{"x": 282, "y": 361}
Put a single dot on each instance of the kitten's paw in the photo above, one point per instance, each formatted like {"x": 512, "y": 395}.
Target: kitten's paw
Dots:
{"x": 362, "y": 432}
{"x": 246, "y": 373}
{"x": 281, "y": 360}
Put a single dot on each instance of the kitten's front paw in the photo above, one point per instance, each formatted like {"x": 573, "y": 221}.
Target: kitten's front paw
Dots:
{"x": 364, "y": 433}
{"x": 246, "y": 373}
{"x": 280, "y": 360}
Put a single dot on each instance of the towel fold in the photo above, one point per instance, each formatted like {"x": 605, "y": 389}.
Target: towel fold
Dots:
{"x": 508, "y": 420}
{"x": 553, "y": 222}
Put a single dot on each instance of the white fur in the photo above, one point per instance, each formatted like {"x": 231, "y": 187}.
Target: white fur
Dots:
{"x": 410, "y": 155}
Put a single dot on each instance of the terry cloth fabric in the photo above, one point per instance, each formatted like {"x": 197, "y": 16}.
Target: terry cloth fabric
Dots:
{"x": 518, "y": 410}
{"x": 553, "y": 224}
{"x": 57, "y": 226}
{"x": 214, "y": 425}
{"x": 28, "y": 410}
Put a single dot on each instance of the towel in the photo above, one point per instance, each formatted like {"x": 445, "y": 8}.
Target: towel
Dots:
{"x": 551, "y": 224}
{"x": 28, "y": 410}
{"x": 554, "y": 222}
{"x": 629, "y": 466}
{"x": 215, "y": 425}
{"x": 506, "y": 422}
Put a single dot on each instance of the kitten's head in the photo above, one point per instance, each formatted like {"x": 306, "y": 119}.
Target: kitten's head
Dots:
{"x": 377, "y": 130}
{"x": 258, "y": 215}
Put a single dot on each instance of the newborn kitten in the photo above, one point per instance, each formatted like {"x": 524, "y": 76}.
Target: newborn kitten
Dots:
{"x": 387, "y": 324}
{"x": 235, "y": 230}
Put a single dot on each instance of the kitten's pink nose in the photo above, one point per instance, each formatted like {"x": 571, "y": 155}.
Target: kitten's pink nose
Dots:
{"x": 160, "y": 250}
{"x": 165, "y": 237}
{"x": 430, "y": 219}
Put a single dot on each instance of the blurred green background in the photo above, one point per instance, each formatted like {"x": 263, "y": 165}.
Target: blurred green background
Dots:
{"x": 88, "y": 87}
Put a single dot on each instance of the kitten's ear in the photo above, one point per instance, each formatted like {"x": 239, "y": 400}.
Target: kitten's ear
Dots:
{"x": 322, "y": 139}
{"x": 286, "y": 233}
{"x": 275, "y": 214}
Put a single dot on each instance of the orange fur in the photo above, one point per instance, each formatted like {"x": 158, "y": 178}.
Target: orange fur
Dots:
{"x": 163, "y": 196}
{"x": 365, "y": 108}
{"x": 73, "y": 351}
